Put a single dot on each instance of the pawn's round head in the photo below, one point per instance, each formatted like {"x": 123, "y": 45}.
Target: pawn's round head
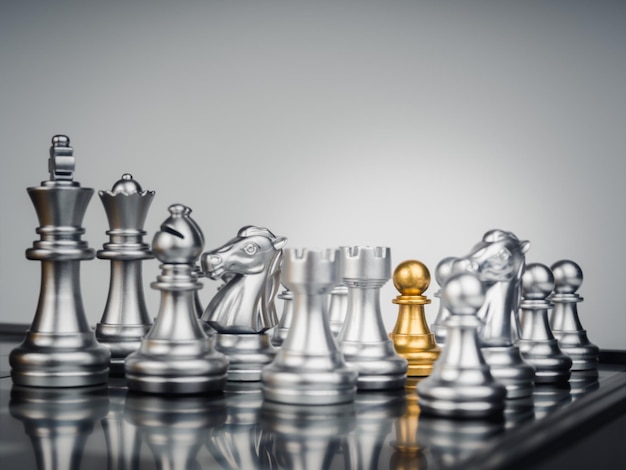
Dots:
{"x": 537, "y": 282}
{"x": 126, "y": 184}
{"x": 444, "y": 269}
{"x": 568, "y": 276}
{"x": 180, "y": 240}
{"x": 463, "y": 294}
{"x": 411, "y": 278}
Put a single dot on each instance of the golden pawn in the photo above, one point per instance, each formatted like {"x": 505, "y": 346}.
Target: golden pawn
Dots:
{"x": 411, "y": 336}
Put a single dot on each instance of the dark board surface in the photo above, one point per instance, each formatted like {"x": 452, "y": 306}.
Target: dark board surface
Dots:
{"x": 102, "y": 428}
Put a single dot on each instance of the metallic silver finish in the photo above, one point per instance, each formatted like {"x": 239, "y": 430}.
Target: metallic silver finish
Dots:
{"x": 175, "y": 429}
{"x": 499, "y": 260}
{"x": 566, "y": 326}
{"x": 306, "y": 437}
{"x": 125, "y": 320}
{"x": 537, "y": 345}
{"x": 375, "y": 415}
{"x": 58, "y": 421}
{"x": 243, "y": 308}
{"x": 549, "y": 397}
{"x": 451, "y": 441}
{"x": 246, "y": 353}
{"x": 60, "y": 350}
{"x": 518, "y": 411}
{"x": 309, "y": 369}
{"x": 122, "y": 438}
{"x": 337, "y": 308}
{"x": 241, "y": 443}
{"x": 363, "y": 339}
{"x": 582, "y": 382}
{"x": 461, "y": 383}
{"x": 176, "y": 356}
{"x": 442, "y": 272}
{"x": 282, "y": 329}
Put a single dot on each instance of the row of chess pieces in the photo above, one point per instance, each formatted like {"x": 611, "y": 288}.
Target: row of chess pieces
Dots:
{"x": 488, "y": 357}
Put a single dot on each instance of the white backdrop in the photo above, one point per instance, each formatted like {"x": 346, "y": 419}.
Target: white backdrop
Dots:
{"x": 415, "y": 125}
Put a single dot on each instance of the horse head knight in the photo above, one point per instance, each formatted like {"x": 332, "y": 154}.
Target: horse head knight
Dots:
{"x": 249, "y": 265}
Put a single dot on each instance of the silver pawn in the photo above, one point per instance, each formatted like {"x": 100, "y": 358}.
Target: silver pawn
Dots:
{"x": 309, "y": 369}
{"x": 461, "y": 384}
{"x": 363, "y": 339}
{"x": 565, "y": 323}
{"x": 282, "y": 329}
{"x": 176, "y": 356}
{"x": 442, "y": 273}
{"x": 125, "y": 320}
{"x": 60, "y": 349}
{"x": 337, "y": 308}
{"x": 537, "y": 345}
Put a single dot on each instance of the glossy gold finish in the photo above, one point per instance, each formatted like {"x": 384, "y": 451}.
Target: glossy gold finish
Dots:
{"x": 411, "y": 335}
{"x": 408, "y": 453}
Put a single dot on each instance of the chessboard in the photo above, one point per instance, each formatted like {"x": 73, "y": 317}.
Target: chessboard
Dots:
{"x": 507, "y": 378}
{"x": 107, "y": 427}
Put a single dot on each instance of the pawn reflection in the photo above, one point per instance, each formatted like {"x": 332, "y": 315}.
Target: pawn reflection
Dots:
{"x": 304, "y": 436}
{"x": 583, "y": 382}
{"x": 453, "y": 441}
{"x": 549, "y": 397}
{"x": 173, "y": 427}
{"x": 58, "y": 421}
{"x": 122, "y": 438}
{"x": 407, "y": 452}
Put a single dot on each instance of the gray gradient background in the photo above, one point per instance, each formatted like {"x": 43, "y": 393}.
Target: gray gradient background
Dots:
{"x": 415, "y": 125}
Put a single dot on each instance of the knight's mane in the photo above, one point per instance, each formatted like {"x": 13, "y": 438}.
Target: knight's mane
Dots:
{"x": 251, "y": 230}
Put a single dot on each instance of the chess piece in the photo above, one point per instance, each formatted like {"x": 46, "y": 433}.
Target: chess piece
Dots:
{"x": 125, "y": 320}
{"x": 461, "y": 384}
{"x": 58, "y": 422}
{"x": 363, "y": 339}
{"x": 243, "y": 309}
{"x": 337, "y": 308}
{"x": 499, "y": 260}
{"x": 309, "y": 369}
{"x": 60, "y": 350}
{"x": 197, "y": 304}
{"x": 565, "y": 322}
{"x": 411, "y": 336}
{"x": 281, "y": 331}
{"x": 537, "y": 345}
{"x": 442, "y": 273}
{"x": 175, "y": 429}
{"x": 176, "y": 356}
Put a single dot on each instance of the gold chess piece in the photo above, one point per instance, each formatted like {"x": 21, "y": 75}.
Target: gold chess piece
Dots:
{"x": 411, "y": 335}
